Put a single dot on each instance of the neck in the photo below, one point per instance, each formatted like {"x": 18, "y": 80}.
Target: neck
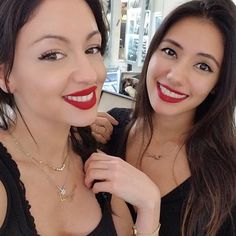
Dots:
{"x": 172, "y": 129}
{"x": 44, "y": 142}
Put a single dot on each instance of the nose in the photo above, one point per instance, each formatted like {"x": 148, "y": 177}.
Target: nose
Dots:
{"x": 84, "y": 70}
{"x": 178, "y": 73}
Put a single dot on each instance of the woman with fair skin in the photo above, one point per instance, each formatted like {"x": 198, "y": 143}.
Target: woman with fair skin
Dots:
{"x": 181, "y": 132}
{"x": 51, "y": 74}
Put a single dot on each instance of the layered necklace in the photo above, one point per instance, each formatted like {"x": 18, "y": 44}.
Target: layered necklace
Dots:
{"x": 63, "y": 192}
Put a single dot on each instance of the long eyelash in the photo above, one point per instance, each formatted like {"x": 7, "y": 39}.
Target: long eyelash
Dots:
{"x": 45, "y": 55}
{"x": 99, "y": 48}
{"x": 209, "y": 68}
{"x": 170, "y": 51}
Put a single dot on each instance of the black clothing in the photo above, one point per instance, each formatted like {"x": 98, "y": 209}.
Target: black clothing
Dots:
{"x": 173, "y": 202}
{"x": 19, "y": 221}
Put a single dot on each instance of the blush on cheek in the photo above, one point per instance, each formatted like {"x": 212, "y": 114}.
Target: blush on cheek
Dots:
{"x": 102, "y": 73}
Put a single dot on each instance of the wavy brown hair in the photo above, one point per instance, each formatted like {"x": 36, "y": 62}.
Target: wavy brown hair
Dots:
{"x": 210, "y": 143}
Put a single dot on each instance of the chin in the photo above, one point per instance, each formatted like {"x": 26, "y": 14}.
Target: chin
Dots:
{"x": 85, "y": 119}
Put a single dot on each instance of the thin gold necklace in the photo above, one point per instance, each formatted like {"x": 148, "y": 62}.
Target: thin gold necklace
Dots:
{"x": 40, "y": 162}
{"x": 157, "y": 157}
{"x": 160, "y": 156}
{"x": 62, "y": 191}
{"x": 153, "y": 156}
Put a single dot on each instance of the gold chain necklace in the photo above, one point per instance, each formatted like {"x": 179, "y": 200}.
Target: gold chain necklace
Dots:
{"x": 153, "y": 156}
{"x": 40, "y": 162}
{"x": 61, "y": 190}
{"x": 160, "y": 156}
{"x": 157, "y": 157}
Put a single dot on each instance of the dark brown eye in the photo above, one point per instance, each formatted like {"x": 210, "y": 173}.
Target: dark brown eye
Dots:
{"x": 170, "y": 52}
{"x": 52, "y": 56}
{"x": 204, "y": 67}
{"x": 93, "y": 50}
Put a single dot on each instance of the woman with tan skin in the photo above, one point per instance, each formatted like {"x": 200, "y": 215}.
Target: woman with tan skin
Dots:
{"x": 181, "y": 132}
{"x": 51, "y": 75}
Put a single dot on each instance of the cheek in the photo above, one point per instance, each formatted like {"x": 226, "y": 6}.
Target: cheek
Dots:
{"x": 152, "y": 68}
{"x": 154, "y": 74}
{"x": 202, "y": 90}
{"x": 99, "y": 67}
{"x": 150, "y": 79}
{"x": 25, "y": 78}
{"x": 151, "y": 72}
{"x": 102, "y": 73}
{"x": 18, "y": 83}
{"x": 157, "y": 68}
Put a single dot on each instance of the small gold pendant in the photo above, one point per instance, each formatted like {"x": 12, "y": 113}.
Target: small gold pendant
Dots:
{"x": 64, "y": 196}
{"x": 153, "y": 156}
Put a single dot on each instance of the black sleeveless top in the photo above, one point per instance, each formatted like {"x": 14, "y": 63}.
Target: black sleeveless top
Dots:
{"x": 19, "y": 221}
{"x": 173, "y": 202}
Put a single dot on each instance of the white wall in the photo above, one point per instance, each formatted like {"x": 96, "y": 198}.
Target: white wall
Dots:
{"x": 169, "y": 5}
{"x": 110, "y": 100}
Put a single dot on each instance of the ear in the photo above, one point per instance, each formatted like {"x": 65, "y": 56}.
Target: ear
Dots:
{"x": 2, "y": 79}
{"x": 5, "y": 85}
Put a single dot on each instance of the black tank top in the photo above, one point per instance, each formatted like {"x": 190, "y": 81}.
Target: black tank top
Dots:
{"x": 19, "y": 221}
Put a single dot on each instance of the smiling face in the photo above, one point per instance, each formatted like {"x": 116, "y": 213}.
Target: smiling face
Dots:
{"x": 185, "y": 67}
{"x": 58, "y": 70}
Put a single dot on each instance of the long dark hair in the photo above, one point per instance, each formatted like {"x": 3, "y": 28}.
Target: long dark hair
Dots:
{"x": 210, "y": 144}
{"x": 13, "y": 15}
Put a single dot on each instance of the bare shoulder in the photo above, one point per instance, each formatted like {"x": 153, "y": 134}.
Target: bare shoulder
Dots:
{"x": 3, "y": 205}
{"x": 121, "y": 216}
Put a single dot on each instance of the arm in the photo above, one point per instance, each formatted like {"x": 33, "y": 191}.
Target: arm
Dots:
{"x": 3, "y": 205}
{"x": 124, "y": 223}
{"x": 121, "y": 216}
{"x": 121, "y": 179}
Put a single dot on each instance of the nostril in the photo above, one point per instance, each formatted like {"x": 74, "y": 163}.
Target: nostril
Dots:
{"x": 176, "y": 76}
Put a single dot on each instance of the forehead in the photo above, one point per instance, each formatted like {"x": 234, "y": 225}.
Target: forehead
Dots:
{"x": 70, "y": 17}
{"x": 197, "y": 34}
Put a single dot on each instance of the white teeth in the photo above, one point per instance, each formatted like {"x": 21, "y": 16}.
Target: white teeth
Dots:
{"x": 85, "y": 98}
{"x": 169, "y": 93}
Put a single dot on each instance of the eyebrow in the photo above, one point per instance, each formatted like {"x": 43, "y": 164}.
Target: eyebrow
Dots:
{"x": 173, "y": 42}
{"x": 62, "y": 38}
{"x": 90, "y": 35}
{"x": 199, "y": 54}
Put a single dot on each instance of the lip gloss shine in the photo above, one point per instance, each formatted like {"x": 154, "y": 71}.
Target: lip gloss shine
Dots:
{"x": 84, "y": 99}
{"x": 178, "y": 97}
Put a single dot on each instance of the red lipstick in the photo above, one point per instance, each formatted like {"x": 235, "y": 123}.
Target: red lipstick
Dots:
{"x": 174, "y": 98}
{"x": 84, "y": 99}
